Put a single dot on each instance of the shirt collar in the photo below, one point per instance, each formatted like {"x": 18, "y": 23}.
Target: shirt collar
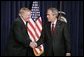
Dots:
{"x": 54, "y": 22}
{"x": 23, "y": 21}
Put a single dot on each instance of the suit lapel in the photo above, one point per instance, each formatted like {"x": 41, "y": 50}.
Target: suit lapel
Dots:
{"x": 57, "y": 27}
{"x": 24, "y": 27}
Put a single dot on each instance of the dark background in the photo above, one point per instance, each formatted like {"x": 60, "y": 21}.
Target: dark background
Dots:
{"x": 74, "y": 15}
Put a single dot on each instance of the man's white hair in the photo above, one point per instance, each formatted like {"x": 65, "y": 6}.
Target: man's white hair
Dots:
{"x": 54, "y": 11}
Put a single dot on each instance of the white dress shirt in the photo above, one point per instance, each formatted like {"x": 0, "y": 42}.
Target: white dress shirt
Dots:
{"x": 53, "y": 23}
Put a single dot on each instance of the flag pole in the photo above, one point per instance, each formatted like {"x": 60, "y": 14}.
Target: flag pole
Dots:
{"x": 60, "y": 10}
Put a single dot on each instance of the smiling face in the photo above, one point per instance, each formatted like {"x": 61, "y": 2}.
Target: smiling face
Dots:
{"x": 52, "y": 14}
{"x": 26, "y": 15}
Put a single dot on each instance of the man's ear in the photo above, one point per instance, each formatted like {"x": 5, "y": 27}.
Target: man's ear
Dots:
{"x": 19, "y": 14}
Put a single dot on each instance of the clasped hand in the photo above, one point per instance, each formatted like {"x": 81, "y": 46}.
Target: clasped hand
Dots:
{"x": 33, "y": 44}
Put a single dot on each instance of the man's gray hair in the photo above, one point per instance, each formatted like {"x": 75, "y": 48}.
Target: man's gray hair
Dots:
{"x": 54, "y": 10}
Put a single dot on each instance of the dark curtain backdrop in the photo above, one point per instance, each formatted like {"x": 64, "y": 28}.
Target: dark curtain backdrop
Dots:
{"x": 74, "y": 15}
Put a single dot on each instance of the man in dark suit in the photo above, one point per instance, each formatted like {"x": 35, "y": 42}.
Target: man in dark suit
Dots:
{"x": 19, "y": 42}
{"x": 55, "y": 35}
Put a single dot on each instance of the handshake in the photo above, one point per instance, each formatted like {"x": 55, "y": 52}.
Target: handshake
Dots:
{"x": 33, "y": 44}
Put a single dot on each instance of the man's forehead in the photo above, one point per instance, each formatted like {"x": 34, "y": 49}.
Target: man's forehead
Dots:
{"x": 27, "y": 11}
{"x": 49, "y": 12}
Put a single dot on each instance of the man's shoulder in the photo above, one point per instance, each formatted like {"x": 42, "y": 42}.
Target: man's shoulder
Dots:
{"x": 17, "y": 19}
{"x": 61, "y": 22}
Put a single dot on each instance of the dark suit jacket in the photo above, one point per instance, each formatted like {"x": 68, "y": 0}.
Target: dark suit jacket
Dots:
{"x": 56, "y": 44}
{"x": 19, "y": 40}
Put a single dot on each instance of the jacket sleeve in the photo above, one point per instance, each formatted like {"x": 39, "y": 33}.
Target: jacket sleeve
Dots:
{"x": 67, "y": 38}
{"x": 42, "y": 39}
{"x": 20, "y": 34}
